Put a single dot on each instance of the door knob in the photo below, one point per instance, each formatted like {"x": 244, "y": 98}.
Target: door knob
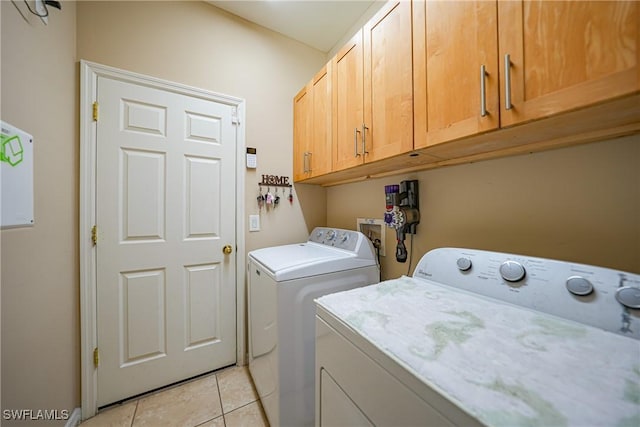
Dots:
{"x": 227, "y": 249}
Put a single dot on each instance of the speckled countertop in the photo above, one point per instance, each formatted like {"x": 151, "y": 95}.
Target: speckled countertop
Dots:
{"x": 505, "y": 365}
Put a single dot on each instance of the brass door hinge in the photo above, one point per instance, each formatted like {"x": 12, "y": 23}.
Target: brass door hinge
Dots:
{"x": 95, "y": 111}
{"x": 94, "y": 235}
{"x": 96, "y": 357}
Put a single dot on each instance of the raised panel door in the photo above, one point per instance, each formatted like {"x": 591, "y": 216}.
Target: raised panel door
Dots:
{"x": 388, "y": 83}
{"x": 566, "y": 55}
{"x": 455, "y": 70}
{"x": 165, "y": 293}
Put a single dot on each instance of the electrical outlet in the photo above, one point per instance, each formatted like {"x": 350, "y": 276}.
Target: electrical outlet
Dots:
{"x": 254, "y": 222}
{"x": 41, "y": 10}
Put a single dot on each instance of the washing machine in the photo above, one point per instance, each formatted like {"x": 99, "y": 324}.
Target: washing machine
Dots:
{"x": 283, "y": 283}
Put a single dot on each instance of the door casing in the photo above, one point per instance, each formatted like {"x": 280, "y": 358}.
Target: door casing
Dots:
{"x": 89, "y": 73}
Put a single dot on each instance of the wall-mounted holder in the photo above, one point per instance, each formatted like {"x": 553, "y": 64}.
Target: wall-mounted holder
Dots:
{"x": 275, "y": 181}
{"x": 269, "y": 200}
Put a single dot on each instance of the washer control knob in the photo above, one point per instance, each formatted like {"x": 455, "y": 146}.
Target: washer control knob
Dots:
{"x": 331, "y": 235}
{"x": 578, "y": 285}
{"x": 464, "y": 264}
{"x": 344, "y": 237}
{"x": 512, "y": 271}
{"x": 629, "y": 296}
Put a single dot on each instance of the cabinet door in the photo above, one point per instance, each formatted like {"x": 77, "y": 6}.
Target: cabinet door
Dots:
{"x": 347, "y": 105}
{"x": 320, "y": 160}
{"x": 302, "y": 121}
{"x": 388, "y": 83}
{"x": 453, "y": 42}
{"x": 566, "y": 55}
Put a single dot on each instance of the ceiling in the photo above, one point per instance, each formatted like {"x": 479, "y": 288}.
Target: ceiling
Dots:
{"x": 319, "y": 24}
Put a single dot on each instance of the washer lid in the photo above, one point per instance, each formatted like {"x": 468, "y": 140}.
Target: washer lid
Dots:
{"x": 295, "y": 261}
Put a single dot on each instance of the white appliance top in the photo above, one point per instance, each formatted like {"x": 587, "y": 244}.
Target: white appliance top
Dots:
{"x": 328, "y": 250}
{"x": 508, "y": 358}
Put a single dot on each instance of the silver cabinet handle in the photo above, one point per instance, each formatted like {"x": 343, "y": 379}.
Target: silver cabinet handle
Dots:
{"x": 364, "y": 139}
{"x": 355, "y": 142}
{"x": 310, "y": 169}
{"x": 305, "y": 162}
{"x": 507, "y": 82}
{"x": 483, "y": 91}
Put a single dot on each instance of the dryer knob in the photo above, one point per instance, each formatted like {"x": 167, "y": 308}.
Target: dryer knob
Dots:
{"x": 629, "y": 296}
{"x": 512, "y": 271}
{"x": 578, "y": 285}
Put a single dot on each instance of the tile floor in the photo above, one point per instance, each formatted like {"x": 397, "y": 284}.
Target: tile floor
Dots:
{"x": 223, "y": 398}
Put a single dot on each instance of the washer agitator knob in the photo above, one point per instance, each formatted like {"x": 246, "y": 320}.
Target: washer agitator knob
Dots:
{"x": 578, "y": 285}
{"x": 464, "y": 264}
{"x": 512, "y": 271}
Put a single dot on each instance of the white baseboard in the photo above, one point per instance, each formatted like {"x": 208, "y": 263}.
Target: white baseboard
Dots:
{"x": 74, "y": 418}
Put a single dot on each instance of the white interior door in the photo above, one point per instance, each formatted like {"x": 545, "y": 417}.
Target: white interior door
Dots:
{"x": 165, "y": 208}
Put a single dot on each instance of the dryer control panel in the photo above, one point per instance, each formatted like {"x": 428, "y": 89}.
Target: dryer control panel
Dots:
{"x": 601, "y": 297}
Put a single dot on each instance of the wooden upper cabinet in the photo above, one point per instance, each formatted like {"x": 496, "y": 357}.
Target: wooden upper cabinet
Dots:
{"x": 388, "y": 83}
{"x": 312, "y": 127}
{"x": 321, "y": 132}
{"x": 302, "y": 121}
{"x": 348, "y": 110}
{"x": 566, "y": 55}
{"x": 455, "y": 70}
{"x": 373, "y": 92}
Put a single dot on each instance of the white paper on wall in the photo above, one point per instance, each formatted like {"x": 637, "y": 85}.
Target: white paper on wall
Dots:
{"x": 16, "y": 177}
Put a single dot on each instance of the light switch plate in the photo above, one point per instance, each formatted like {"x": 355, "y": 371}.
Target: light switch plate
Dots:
{"x": 254, "y": 222}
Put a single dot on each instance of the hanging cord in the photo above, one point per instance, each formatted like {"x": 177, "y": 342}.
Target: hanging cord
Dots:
{"x": 45, "y": 3}
{"x": 410, "y": 255}
{"x": 36, "y": 13}
{"x": 376, "y": 244}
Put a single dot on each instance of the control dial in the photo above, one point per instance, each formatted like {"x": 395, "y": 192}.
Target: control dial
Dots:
{"x": 464, "y": 264}
{"x": 512, "y": 271}
{"x": 344, "y": 237}
{"x": 331, "y": 235}
{"x": 578, "y": 285}
{"x": 629, "y": 296}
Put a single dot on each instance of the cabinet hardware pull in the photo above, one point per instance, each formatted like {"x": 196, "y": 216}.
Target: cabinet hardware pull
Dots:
{"x": 355, "y": 142}
{"x": 310, "y": 157}
{"x": 305, "y": 162}
{"x": 483, "y": 91}
{"x": 364, "y": 139}
{"x": 507, "y": 82}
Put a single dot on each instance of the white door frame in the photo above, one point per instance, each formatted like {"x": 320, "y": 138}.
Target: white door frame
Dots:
{"x": 89, "y": 73}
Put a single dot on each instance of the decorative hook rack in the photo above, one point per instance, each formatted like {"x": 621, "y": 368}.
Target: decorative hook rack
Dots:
{"x": 275, "y": 181}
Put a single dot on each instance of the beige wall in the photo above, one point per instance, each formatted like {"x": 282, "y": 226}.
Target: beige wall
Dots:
{"x": 40, "y": 315}
{"x": 199, "y": 45}
{"x": 580, "y": 204}
{"x": 192, "y": 43}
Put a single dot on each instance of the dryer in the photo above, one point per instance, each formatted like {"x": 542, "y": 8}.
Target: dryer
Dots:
{"x": 480, "y": 338}
{"x": 283, "y": 283}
